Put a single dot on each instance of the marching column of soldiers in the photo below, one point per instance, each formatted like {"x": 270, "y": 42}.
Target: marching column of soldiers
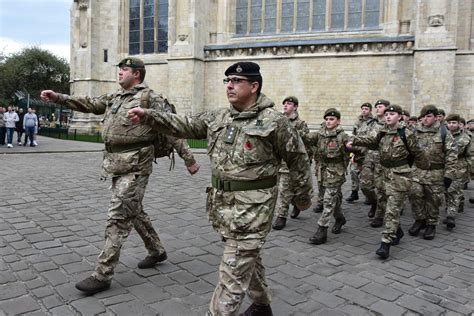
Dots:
{"x": 260, "y": 162}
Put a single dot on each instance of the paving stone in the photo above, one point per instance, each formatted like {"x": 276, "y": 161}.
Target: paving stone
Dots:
{"x": 62, "y": 311}
{"x": 197, "y": 267}
{"x": 149, "y": 293}
{"x": 19, "y": 305}
{"x": 356, "y": 296}
{"x": 381, "y": 291}
{"x": 133, "y": 308}
{"x": 66, "y": 258}
{"x": 182, "y": 277}
{"x": 55, "y": 277}
{"x": 349, "y": 279}
{"x": 173, "y": 307}
{"x": 387, "y": 308}
{"x": 88, "y": 306}
{"x": 327, "y": 299}
{"x": 116, "y": 299}
{"x": 420, "y": 306}
{"x": 11, "y": 290}
{"x": 52, "y": 301}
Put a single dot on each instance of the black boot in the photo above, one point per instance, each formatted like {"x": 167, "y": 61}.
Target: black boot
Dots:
{"x": 400, "y": 234}
{"x": 151, "y": 261}
{"x": 471, "y": 200}
{"x": 318, "y": 208}
{"x": 320, "y": 237}
{"x": 418, "y": 225}
{"x": 384, "y": 251}
{"x": 295, "y": 212}
{"x": 280, "y": 223}
{"x": 430, "y": 232}
{"x": 450, "y": 223}
{"x": 337, "y": 228}
{"x": 373, "y": 208}
{"x": 258, "y": 310}
{"x": 92, "y": 285}
{"x": 377, "y": 222}
{"x": 367, "y": 202}
{"x": 353, "y": 197}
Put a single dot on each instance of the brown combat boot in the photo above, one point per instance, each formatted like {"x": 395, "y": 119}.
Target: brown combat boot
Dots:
{"x": 320, "y": 237}
{"x": 280, "y": 223}
{"x": 258, "y": 310}
{"x": 92, "y": 285}
{"x": 418, "y": 225}
{"x": 151, "y": 261}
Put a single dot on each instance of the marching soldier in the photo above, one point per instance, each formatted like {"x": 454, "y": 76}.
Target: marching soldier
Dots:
{"x": 128, "y": 158}
{"x": 429, "y": 183}
{"x": 246, "y": 143}
{"x": 285, "y": 191}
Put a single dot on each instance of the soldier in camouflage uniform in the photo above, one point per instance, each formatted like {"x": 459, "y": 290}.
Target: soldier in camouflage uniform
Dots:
{"x": 333, "y": 160}
{"x": 370, "y": 175}
{"x": 246, "y": 143}
{"x": 455, "y": 192}
{"x": 395, "y": 144}
{"x": 358, "y": 155}
{"x": 318, "y": 208}
{"x": 429, "y": 184}
{"x": 128, "y": 158}
{"x": 285, "y": 191}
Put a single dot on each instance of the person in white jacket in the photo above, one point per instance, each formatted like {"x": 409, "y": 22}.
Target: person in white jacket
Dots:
{"x": 10, "y": 118}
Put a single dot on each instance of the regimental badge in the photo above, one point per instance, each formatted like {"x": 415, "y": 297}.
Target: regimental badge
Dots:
{"x": 238, "y": 69}
{"x": 129, "y": 62}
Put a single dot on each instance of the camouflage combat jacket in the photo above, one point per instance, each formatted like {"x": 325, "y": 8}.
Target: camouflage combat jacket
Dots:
{"x": 370, "y": 127}
{"x": 360, "y": 128}
{"x": 128, "y": 146}
{"x": 442, "y": 159}
{"x": 244, "y": 147}
{"x": 302, "y": 130}
{"x": 464, "y": 144}
{"x": 332, "y": 155}
{"x": 394, "y": 155}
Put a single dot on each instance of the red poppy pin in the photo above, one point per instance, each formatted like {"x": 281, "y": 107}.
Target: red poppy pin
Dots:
{"x": 248, "y": 145}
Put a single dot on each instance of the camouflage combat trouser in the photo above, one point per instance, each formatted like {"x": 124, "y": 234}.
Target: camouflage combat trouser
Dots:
{"x": 355, "y": 174}
{"x": 397, "y": 187}
{"x": 320, "y": 198}
{"x": 367, "y": 182}
{"x": 241, "y": 271}
{"x": 126, "y": 211}
{"x": 332, "y": 205}
{"x": 380, "y": 193}
{"x": 454, "y": 197}
{"x": 285, "y": 194}
{"x": 425, "y": 201}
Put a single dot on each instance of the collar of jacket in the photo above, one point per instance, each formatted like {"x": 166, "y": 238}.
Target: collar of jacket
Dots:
{"x": 134, "y": 89}
{"x": 262, "y": 103}
{"x": 432, "y": 129}
{"x": 293, "y": 116}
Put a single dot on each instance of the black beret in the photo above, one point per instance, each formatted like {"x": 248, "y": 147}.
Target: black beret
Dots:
{"x": 428, "y": 109}
{"x": 291, "y": 99}
{"x": 413, "y": 118}
{"x": 332, "y": 112}
{"x": 462, "y": 120}
{"x": 470, "y": 121}
{"x": 394, "y": 108}
{"x": 243, "y": 68}
{"x": 132, "y": 62}
{"x": 366, "y": 104}
{"x": 453, "y": 117}
{"x": 441, "y": 112}
{"x": 405, "y": 112}
{"x": 382, "y": 101}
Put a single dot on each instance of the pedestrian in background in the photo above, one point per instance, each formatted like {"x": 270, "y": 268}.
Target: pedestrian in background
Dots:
{"x": 3, "y": 130}
{"x": 10, "y": 117}
{"x": 19, "y": 126}
{"x": 30, "y": 123}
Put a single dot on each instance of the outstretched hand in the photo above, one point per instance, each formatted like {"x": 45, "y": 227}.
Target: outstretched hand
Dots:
{"x": 194, "y": 168}
{"x": 135, "y": 115}
{"x": 49, "y": 96}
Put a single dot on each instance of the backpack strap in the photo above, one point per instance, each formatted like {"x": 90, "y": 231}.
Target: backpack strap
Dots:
{"x": 145, "y": 98}
{"x": 443, "y": 131}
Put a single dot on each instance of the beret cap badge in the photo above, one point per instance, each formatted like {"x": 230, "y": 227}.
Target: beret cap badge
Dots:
{"x": 238, "y": 69}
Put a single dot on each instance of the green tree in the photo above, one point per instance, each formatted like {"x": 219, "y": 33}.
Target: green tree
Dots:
{"x": 33, "y": 69}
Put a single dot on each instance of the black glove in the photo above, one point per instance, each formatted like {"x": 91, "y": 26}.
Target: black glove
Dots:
{"x": 447, "y": 182}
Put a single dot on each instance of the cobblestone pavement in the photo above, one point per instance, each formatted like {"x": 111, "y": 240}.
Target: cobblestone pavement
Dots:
{"x": 52, "y": 215}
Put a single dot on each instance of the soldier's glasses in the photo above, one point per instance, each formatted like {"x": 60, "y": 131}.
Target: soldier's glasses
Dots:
{"x": 234, "y": 80}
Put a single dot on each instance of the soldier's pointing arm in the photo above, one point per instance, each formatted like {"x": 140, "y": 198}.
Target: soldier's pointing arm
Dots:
{"x": 179, "y": 126}
{"x": 96, "y": 105}
{"x": 182, "y": 148}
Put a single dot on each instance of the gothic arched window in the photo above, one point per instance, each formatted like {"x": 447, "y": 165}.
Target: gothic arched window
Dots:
{"x": 148, "y": 27}
{"x": 299, "y": 16}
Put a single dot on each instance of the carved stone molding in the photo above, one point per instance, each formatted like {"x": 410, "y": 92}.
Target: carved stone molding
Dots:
{"x": 182, "y": 37}
{"x": 265, "y": 49}
{"x": 82, "y": 5}
{"x": 436, "y": 20}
